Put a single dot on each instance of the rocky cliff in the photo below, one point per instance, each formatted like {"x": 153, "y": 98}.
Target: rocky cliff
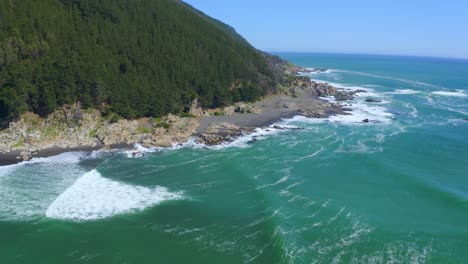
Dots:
{"x": 62, "y": 129}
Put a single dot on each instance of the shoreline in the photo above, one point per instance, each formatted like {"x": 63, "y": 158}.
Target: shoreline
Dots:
{"x": 251, "y": 120}
{"x": 217, "y": 129}
{"x": 10, "y": 158}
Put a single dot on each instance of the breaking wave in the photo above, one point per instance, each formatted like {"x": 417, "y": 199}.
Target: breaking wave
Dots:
{"x": 458, "y": 93}
{"x": 94, "y": 197}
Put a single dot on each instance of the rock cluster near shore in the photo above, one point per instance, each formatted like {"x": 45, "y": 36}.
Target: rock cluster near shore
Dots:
{"x": 218, "y": 133}
{"x": 326, "y": 90}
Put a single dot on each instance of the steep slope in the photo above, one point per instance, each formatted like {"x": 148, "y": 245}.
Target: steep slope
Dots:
{"x": 134, "y": 58}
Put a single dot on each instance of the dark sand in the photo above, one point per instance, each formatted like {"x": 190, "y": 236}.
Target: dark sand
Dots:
{"x": 272, "y": 108}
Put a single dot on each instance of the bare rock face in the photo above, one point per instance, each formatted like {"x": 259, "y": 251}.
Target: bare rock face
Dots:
{"x": 313, "y": 113}
{"x": 344, "y": 96}
{"x": 228, "y": 110}
{"x": 289, "y": 105}
{"x": 195, "y": 109}
{"x": 25, "y": 155}
{"x": 163, "y": 133}
{"x": 178, "y": 131}
{"x": 302, "y": 82}
{"x": 315, "y": 110}
{"x": 373, "y": 100}
{"x": 32, "y": 133}
{"x": 247, "y": 108}
{"x": 218, "y": 133}
{"x": 325, "y": 90}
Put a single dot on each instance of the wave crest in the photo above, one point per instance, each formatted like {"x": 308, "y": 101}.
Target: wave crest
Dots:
{"x": 94, "y": 197}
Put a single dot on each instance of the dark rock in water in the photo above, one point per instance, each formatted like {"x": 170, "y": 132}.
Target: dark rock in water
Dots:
{"x": 370, "y": 121}
{"x": 316, "y": 70}
{"x": 372, "y": 100}
{"x": 344, "y": 96}
{"x": 359, "y": 91}
{"x": 254, "y": 139}
{"x": 325, "y": 90}
{"x": 279, "y": 127}
{"x": 346, "y": 109}
{"x": 313, "y": 113}
{"x": 288, "y": 128}
{"x": 223, "y": 132}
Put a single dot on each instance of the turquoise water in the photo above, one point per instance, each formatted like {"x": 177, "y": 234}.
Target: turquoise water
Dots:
{"x": 339, "y": 191}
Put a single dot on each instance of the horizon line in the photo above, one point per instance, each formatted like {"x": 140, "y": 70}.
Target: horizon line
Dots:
{"x": 371, "y": 54}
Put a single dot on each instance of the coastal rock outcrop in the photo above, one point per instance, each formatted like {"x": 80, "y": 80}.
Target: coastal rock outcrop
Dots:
{"x": 32, "y": 133}
{"x": 229, "y": 110}
{"x": 195, "y": 109}
{"x": 320, "y": 109}
{"x": 302, "y": 82}
{"x": 326, "y": 90}
{"x": 372, "y": 100}
{"x": 163, "y": 132}
{"x": 218, "y": 133}
{"x": 323, "y": 89}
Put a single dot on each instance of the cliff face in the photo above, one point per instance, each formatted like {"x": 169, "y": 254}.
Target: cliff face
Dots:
{"x": 32, "y": 133}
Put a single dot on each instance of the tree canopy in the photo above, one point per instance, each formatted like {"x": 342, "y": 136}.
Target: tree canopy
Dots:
{"x": 135, "y": 58}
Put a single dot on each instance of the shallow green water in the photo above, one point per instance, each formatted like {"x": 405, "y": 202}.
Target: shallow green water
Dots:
{"x": 339, "y": 191}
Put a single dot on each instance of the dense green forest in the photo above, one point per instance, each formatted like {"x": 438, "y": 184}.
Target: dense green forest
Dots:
{"x": 134, "y": 58}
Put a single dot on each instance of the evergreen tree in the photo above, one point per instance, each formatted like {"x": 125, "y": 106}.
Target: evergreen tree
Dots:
{"x": 136, "y": 58}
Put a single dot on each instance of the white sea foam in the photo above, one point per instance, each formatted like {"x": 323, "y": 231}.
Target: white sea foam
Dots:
{"x": 360, "y": 111}
{"x": 242, "y": 141}
{"x": 4, "y": 170}
{"x": 94, "y": 197}
{"x": 139, "y": 151}
{"x": 458, "y": 93}
{"x": 317, "y": 71}
{"x": 347, "y": 87}
{"x": 310, "y": 155}
{"x": 404, "y": 91}
{"x": 27, "y": 188}
{"x": 66, "y": 158}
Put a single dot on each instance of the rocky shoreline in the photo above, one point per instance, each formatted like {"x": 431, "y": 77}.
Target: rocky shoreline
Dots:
{"x": 73, "y": 129}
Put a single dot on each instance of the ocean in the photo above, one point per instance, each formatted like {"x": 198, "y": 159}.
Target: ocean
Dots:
{"x": 394, "y": 190}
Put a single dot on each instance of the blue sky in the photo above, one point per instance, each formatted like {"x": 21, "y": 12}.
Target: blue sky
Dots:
{"x": 401, "y": 27}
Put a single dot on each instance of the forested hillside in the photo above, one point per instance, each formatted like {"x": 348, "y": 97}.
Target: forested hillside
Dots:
{"x": 134, "y": 58}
